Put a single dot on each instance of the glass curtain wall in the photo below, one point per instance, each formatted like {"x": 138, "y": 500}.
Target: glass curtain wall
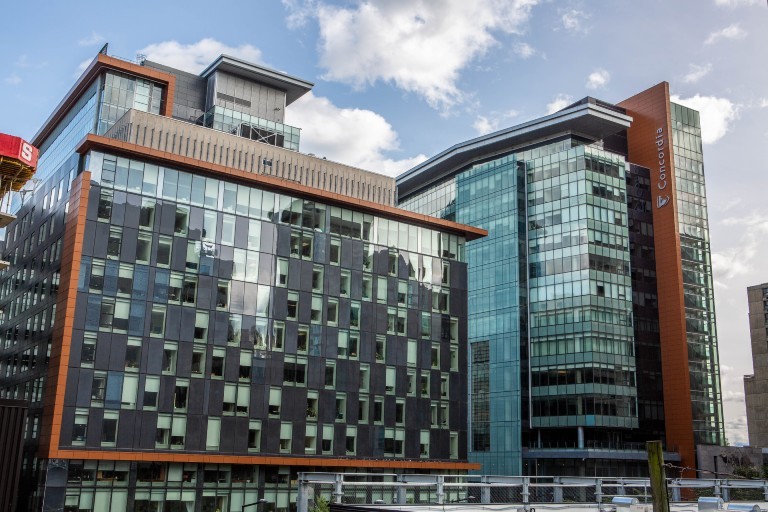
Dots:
{"x": 122, "y": 92}
{"x": 697, "y": 277}
{"x": 581, "y": 336}
{"x": 491, "y": 196}
{"x": 79, "y": 121}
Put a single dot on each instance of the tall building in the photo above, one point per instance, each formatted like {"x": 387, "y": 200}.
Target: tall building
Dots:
{"x": 195, "y": 311}
{"x": 756, "y": 385}
{"x": 666, "y": 138}
{"x": 591, "y": 311}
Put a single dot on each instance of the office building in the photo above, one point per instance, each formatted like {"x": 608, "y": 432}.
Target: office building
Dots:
{"x": 591, "y": 311}
{"x": 18, "y": 161}
{"x": 195, "y": 312}
{"x": 756, "y": 385}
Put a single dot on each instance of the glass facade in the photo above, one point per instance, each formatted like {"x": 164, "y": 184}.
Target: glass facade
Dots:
{"x": 122, "y": 92}
{"x": 252, "y": 127}
{"x": 491, "y": 196}
{"x": 60, "y": 144}
{"x": 645, "y": 307}
{"x": 697, "y": 277}
{"x": 557, "y": 255}
{"x": 28, "y": 299}
{"x": 582, "y": 342}
{"x": 217, "y": 318}
{"x": 105, "y": 101}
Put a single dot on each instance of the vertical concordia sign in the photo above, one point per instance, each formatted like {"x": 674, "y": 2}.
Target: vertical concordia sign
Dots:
{"x": 661, "y": 197}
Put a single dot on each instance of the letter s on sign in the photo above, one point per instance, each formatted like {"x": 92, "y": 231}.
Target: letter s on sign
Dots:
{"x": 26, "y": 152}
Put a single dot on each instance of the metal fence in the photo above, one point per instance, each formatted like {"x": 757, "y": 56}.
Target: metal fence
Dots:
{"x": 392, "y": 489}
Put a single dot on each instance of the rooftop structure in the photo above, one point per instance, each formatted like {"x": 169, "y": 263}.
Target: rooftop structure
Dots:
{"x": 230, "y": 96}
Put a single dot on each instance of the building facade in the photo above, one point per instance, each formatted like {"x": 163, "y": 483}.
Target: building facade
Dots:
{"x": 192, "y": 327}
{"x": 577, "y": 355}
{"x": 756, "y": 385}
{"x": 666, "y": 138}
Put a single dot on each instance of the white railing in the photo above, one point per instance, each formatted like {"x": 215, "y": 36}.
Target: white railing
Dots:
{"x": 403, "y": 490}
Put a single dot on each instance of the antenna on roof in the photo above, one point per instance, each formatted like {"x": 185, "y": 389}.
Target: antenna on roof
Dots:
{"x": 140, "y": 58}
{"x": 103, "y": 50}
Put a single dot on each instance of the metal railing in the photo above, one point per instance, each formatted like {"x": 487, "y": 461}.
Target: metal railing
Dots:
{"x": 392, "y": 489}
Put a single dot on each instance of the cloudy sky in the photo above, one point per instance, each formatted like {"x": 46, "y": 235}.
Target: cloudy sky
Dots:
{"x": 400, "y": 80}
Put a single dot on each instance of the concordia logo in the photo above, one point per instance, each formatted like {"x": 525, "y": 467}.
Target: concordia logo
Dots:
{"x": 662, "y": 183}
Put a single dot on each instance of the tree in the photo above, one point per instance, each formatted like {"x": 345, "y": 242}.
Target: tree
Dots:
{"x": 321, "y": 505}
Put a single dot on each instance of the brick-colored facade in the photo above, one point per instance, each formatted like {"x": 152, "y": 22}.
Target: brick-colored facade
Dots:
{"x": 652, "y": 123}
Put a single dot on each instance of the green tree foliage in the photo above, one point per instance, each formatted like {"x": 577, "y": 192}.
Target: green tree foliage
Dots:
{"x": 321, "y": 505}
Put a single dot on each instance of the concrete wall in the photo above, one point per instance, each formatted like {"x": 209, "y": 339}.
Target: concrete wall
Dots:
{"x": 723, "y": 460}
{"x": 756, "y": 385}
{"x": 189, "y": 140}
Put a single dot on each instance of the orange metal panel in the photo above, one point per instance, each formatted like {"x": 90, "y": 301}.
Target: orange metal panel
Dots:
{"x": 266, "y": 460}
{"x": 74, "y": 230}
{"x": 650, "y": 145}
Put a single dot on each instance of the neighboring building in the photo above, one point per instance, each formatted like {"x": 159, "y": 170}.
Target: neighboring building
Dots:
{"x": 756, "y": 385}
{"x": 194, "y": 317}
{"x": 576, "y": 358}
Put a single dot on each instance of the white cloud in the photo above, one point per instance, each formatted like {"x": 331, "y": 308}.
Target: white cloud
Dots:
{"x": 696, "y": 72}
{"x": 23, "y": 62}
{"x": 756, "y": 222}
{"x": 730, "y": 32}
{"x": 736, "y": 430}
{"x": 82, "y": 67}
{"x": 351, "y": 136}
{"x": 13, "y": 79}
{"x": 573, "y": 20}
{"x": 488, "y": 124}
{"x": 419, "y": 46}
{"x": 764, "y": 102}
{"x": 737, "y": 3}
{"x": 196, "y": 56}
{"x": 299, "y": 11}
{"x": 559, "y": 103}
{"x": 717, "y": 115}
{"x": 91, "y": 40}
{"x": 483, "y": 125}
{"x": 524, "y": 50}
{"x": 598, "y": 79}
{"x": 739, "y": 260}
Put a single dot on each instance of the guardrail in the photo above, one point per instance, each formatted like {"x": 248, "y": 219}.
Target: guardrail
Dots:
{"x": 393, "y": 489}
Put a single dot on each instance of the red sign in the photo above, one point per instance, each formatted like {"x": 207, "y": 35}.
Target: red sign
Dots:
{"x": 18, "y": 148}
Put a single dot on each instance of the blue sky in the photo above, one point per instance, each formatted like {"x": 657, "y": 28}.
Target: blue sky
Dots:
{"x": 397, "y": 81}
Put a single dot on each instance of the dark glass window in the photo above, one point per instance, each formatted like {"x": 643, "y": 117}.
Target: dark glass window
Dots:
{"x": 104, "y": 211}
{"x": 132, "y": 357}
{"x": 108, "y": 430}
{"x": 217, "y": 366}
{"x": 114, "y": 242}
